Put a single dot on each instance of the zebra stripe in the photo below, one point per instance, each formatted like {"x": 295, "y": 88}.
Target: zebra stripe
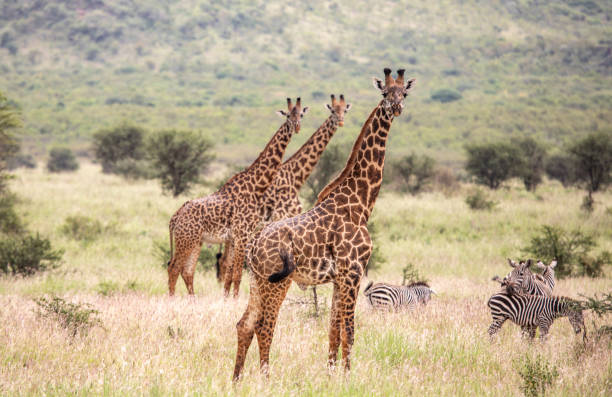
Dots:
{"x": 532, "y": 311}
{"x": 382, "y": 295}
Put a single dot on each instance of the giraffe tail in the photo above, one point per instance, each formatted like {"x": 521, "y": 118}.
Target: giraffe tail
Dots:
{"x": 217, "y": 264}
{"x": 288, "y": 268}
{"x": 171, "y": 245}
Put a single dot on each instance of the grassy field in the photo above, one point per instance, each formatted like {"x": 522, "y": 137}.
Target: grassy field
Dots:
{"x": 155, "y": 345}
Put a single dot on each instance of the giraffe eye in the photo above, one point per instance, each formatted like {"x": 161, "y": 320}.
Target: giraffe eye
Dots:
{"x": 385, "y": 94}
{"x": 405, "y": 94}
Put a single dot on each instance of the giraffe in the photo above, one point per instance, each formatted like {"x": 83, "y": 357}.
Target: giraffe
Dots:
{"x": 329, "y": 243}
{"x": 230, "y": 214}
{"x": 281, "y": 200}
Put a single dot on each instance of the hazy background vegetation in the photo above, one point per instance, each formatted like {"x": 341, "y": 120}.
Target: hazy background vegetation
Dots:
{"x": 484, "y": 69}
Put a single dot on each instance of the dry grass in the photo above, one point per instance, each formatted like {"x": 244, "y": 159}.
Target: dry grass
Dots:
{"x": 152, "y": 344}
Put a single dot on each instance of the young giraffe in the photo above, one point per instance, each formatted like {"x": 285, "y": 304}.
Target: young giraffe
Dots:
{"x": 230, "y": 214}
{"x": 281, "y": 200}
{"x": 329, "y": 243}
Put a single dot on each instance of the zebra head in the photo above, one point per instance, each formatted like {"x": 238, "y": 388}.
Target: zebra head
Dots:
{"x": 576, "y": 319}
{"x": 548, "y": 272}
{"x": 521, "y": 276}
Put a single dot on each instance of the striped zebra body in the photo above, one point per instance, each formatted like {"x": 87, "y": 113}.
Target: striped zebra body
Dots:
{"x": 382, "y": 295}
{"x": 532, "y": 311}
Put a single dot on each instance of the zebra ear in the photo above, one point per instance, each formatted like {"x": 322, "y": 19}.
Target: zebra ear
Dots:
{"x": 529, "y": 263}
{"x": 540, "y": 265}
{"x": 553, "y": 264}
{"x": 511, "y": 262}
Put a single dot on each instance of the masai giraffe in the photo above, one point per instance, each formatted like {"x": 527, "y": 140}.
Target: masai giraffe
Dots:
{"x": 281, "y": 200}
{"x": 230, "y": 214}
{"x": 329, "y": 243}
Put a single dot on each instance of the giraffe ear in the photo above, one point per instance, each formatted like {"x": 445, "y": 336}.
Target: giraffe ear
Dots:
{"x": 348, "y": 106}
{"x": 378, "y": 83}
{"x": 328, "y": 106}
{"x": 409, "y": 84}
{"x": 282, "y": 113}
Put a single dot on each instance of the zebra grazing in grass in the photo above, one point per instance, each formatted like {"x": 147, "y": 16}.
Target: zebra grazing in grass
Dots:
{"x": 529, "y": 283}
{"x": 532, "y": 311}
{"x": 382, "y": 295}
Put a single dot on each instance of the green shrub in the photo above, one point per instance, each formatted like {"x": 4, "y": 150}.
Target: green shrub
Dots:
{"x": 75, "y": 317}
{"x": 445, "y": 95}
{"x": 26, "y": 255}
{"x": 61, "y": 159}
{"x": 80, "y": 227}
{"x": 569, "y": 249}
{"x": 330, "y": 164}
{"x": 411, "y": 275}
{"x": 491, "y": 163}
{"x": 478, "y": 201}
{"x": 107, "y": 288}
{"x": 537, "y": 375}
{"x": 178, "y": 158}
{"x": 593, "y": 266}
{"x": 413, "y": 173}
{"x": 124, "y": 142}
{"x": 133, "y": 169}
{"x": 10, "y": 223}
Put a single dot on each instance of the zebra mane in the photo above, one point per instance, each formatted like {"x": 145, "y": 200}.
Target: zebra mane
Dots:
{"x": 417, "y": 283}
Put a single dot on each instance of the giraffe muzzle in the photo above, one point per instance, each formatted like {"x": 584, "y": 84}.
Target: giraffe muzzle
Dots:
{"x": 341, "y": 123}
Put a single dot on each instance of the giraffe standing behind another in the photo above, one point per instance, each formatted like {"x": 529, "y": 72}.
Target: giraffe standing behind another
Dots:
{"x": 329, "y": 243}
{"x": 230, "y": 214}
{"x": 282, "y": 200}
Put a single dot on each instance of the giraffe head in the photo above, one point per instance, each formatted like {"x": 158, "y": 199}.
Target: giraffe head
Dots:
{"x": 294, "y": 114}
{"x": 393, "y": 91}
{"x": 338, "y": 109}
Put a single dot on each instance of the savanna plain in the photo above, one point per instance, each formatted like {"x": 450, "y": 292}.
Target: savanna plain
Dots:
{"x": 148, "y": 343}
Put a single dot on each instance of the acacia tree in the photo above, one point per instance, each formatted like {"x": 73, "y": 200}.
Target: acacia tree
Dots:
{"x": 530, "y": 162}
{"x": 491, "y": 163}
{"x": 178, "y": 158}
{"x": 592, "y": 158}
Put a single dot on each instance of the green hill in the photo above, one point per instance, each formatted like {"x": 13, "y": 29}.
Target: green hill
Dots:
{"x": 513, "y": 67}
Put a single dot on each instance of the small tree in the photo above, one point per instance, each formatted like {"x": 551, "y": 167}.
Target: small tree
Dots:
{"x": 26, "y": 255}
{"x": 530, "y": 164}
{"x": 592, "y": 157}
{"x": 124, "y": 142}
{"x": 61, "y": 159}
{"x": 9, "y": 146}
{"x": 178, "y": 158}
{"x": 561, "y": 168}
{"x": 330, "y": 164}
{"x": 491, "y": 163}
{"x": 414, "y": 172}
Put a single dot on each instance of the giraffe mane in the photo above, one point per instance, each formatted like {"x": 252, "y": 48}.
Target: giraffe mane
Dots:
{"x": 350, "y": 163}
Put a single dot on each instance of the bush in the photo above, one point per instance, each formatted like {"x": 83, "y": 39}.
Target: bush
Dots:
{"x": 446, "y": 180}
{"x": 21, "y": 160}
{"x": 537, "y": 375}
{"x": 61, "y": 159}
{"x": 124, "y": 142}
{"x": 80, "y": 227}
{"x": 411, "y": 275}
{"x": 133, "y": 169}
{"x": 530, "y": 163}
{"x": 445, "y": 96}
{"x": 178, "y": 158}
{"x": 478, "y": 201}
{"x": 413, "y": 172}
{"x": 561, "y": 168}
{"x": 569, "y": 249}
{"x": 75, "y": 317}
{"x": 377, "y": 258}
{"x": 26, "y": 255}
{"x": 592, "y": 158}
{"x": 10, "y": 223}
{"x": 491, "y": 163}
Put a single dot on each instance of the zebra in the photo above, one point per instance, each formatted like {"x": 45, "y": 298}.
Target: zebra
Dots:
{"x": 381, "y": 295}
{"x": 532, "y": 311}
{"x": 529, "y": 283}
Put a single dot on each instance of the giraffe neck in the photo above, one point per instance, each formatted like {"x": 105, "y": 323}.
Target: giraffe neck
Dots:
{"x": 266, "y": 165}
{"x": 304, "y": 160}
{"x": 360, "y": 181}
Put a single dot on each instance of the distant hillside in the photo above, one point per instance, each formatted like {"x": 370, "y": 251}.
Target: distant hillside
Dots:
{"x": 518, "y": 67}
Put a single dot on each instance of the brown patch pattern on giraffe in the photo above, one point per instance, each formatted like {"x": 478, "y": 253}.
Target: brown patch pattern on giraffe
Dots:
{"x": 329, "y": 243}
{"x": 230, "y": 214}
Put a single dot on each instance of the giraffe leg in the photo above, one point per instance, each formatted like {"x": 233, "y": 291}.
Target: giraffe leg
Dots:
{"x": 334, "y": 329}
{"x": 228, "y": 266}
{"x": 177, "y": 265}
{"x": 238, "y": 251}
{"x": 349, "y": 299}
{"x": 246, "y": 327}
{"x": 272, "y": 296}
{"x": 189, "y": 268}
